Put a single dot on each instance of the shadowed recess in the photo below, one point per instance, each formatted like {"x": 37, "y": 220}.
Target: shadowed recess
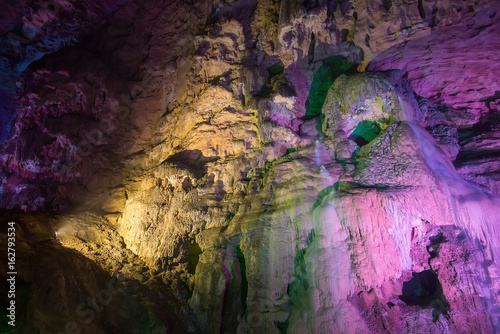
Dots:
{"x": 365, "y": 132}
{"x": 323, "y": 79}
{"x": 244, "y": 281}
{"x": 6, "y": 112}
{"x": 422, "y": 289}
{"x": 193, "y": 256}
{"x": 192, "y": 160}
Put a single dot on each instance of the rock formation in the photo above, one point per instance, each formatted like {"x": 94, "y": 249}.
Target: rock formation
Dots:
{"x": 252, "y": 166}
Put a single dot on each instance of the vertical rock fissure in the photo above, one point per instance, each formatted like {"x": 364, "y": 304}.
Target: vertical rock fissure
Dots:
{"x": 425, "y": 290}
{"x": 297, "y": 290}
{"x": 421, "y": 10}
{"x": 194, "y": 253}
{"x": 244, "y": 281}
{"x": 311, "y": 47}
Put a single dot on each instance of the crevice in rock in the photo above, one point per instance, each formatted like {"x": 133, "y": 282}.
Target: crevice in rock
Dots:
{"x": 323, "y": 79}
{"x": 283, "y": 326}
{"x": 433, "y": 247}
{"x": 343, "y": 34}
{"x": 192, "y": 160}
{"x": 387, "y": 5}
{"x": 275, "y": 80}
{"x": 365, "y": 132}
{"x": 322, "y": 194}
{"x": 300, "y": 284}
{"x": 311, "y": 47}
{"x": 422, "y": 290}
{"x": 244, "y": 281}
{"x": 421, "y": 10}
{"x": 194, "y": 253}
{"x": 236, "y": 290}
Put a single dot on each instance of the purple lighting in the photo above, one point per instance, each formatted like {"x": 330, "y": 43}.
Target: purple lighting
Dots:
{"x": 250, "y": 166}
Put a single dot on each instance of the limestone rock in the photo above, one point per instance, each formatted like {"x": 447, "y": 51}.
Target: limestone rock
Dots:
{"x": 255, "y": 166}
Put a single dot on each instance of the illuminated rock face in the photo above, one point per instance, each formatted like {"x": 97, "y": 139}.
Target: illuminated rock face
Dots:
{"x": 261, "y": 167}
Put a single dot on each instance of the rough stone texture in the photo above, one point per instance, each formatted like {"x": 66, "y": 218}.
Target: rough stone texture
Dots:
{"x": 256, "y": 166}
{"x": 446, "y": 68}
{"x": 32, "y": 29}
{"x": 85, "y": 279}
{"x": 453, "y": 75}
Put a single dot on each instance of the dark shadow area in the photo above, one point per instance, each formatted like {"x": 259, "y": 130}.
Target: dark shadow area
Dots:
{"x": 6, "y": 111}
{"x": 323, "y": 79}
{"x": 244, "y": 281}
{"x": 425, "y": 290}
{"x": 365, "y": 132}
{"x": 56, "y": 285}
{"x": 235, "y": 296}
{"x": 276, "y": 82}
{"x": 434, "y": 244}
{"x": 464, "y": 156}
{"x": 422, "y": 289}
{"x": 471, "y": 140}
{"x": 487, "y": 123}
{"x": 298, "y": 289}
{"x": 300, "y": 285}
{"x": 192, "y": 160}
{"x": 194, "y": 253}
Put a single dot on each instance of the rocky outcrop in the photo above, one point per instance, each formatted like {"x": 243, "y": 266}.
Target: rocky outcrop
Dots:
{"x": 258, "y": 167}
{"x": 84, "y": 279}
{"x": 32, "y": 30}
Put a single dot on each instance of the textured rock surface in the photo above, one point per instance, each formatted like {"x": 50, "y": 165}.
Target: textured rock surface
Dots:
{"x": 255, "y": 166}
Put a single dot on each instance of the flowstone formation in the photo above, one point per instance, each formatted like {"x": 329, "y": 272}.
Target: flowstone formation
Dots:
{"x": 253, "y": 166}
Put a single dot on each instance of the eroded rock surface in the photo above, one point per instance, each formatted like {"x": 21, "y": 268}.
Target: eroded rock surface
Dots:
{"x": 257, "y": 167}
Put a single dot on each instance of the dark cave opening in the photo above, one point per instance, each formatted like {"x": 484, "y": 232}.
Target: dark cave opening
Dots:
{"x": 324, "y": 77}
{"x": 422, "y": 289}
{"x": 142, "y": 127}
{"x": 425, "y": 290}
{"x": 244, "y": 281}
{"x": 365, "y": 132}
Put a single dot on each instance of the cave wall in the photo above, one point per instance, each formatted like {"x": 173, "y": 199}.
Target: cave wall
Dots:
{"x": 255, "y": 166}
